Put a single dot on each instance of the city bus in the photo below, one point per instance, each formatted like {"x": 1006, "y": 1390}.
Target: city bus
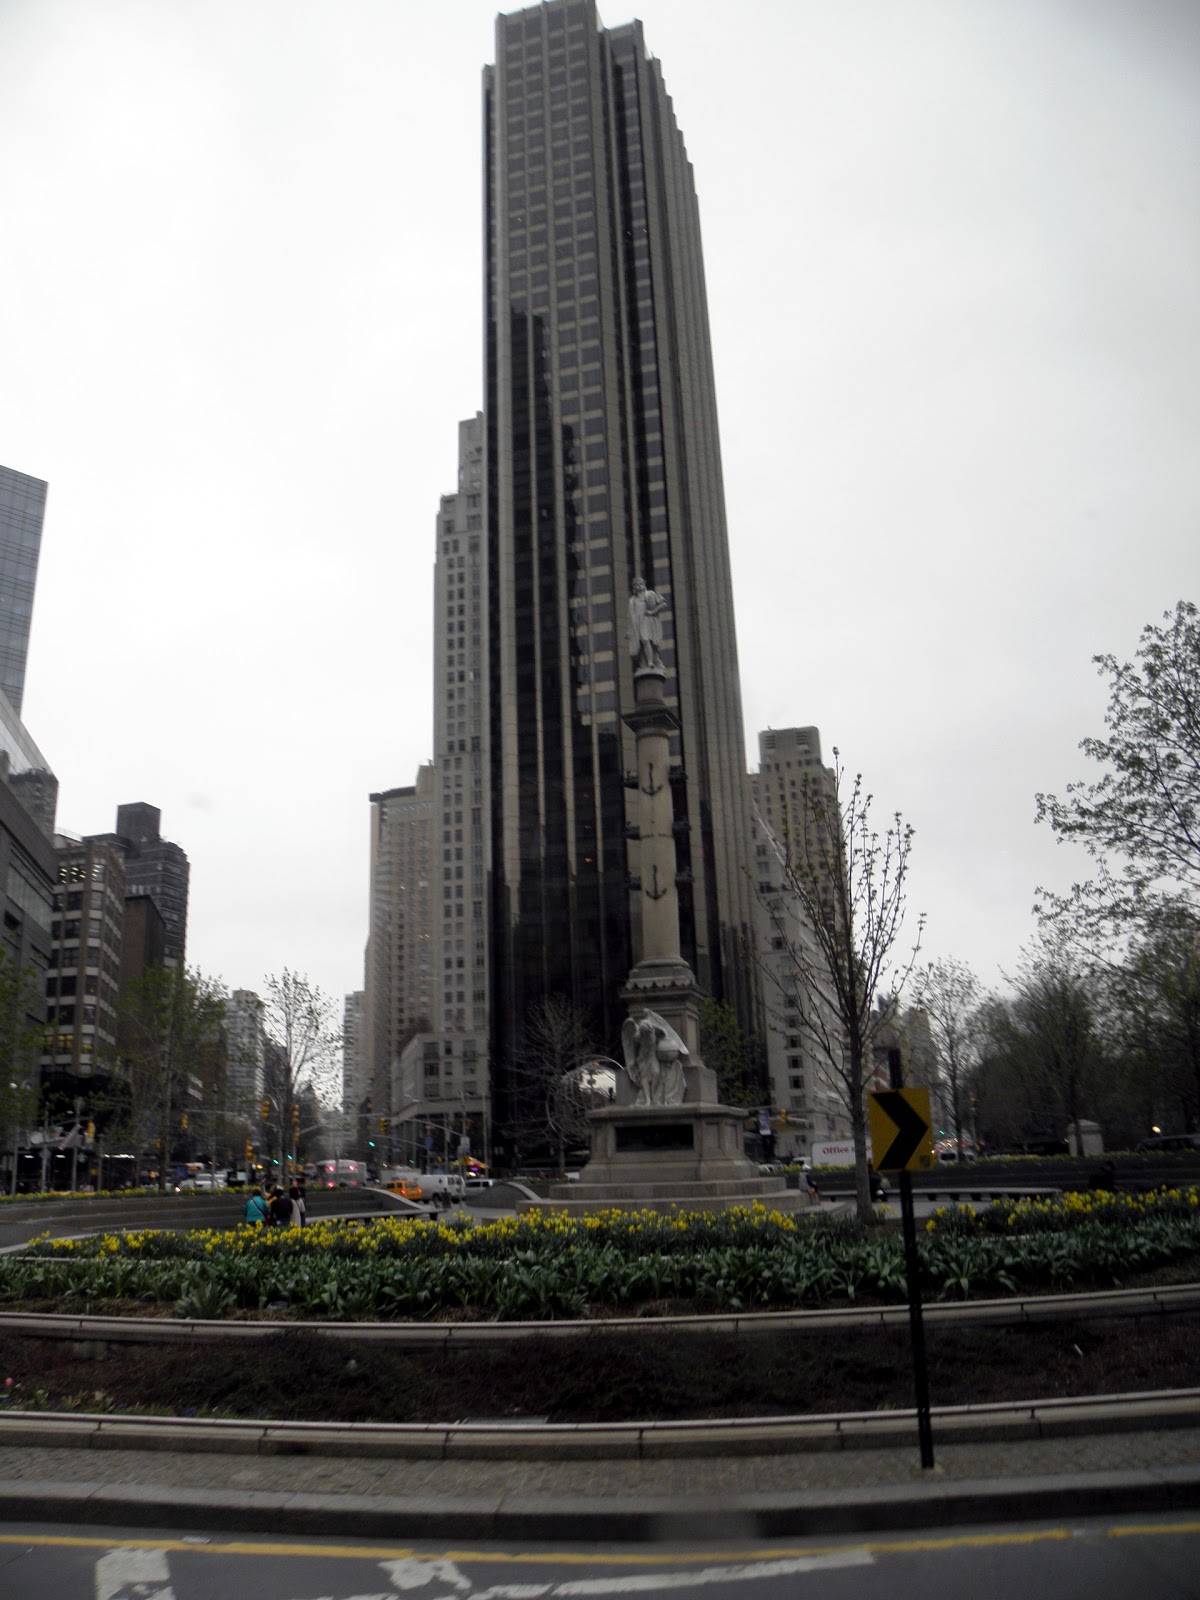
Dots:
{"x": 340, "y": 1175}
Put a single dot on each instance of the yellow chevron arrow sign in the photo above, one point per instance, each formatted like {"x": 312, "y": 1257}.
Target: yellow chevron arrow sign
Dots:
{"x": 901, "y": 1130}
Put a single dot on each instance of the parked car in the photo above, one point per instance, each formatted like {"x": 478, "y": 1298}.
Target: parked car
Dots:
{"x": 1171, "y": 1141}
{"x": 475, "y": 1184}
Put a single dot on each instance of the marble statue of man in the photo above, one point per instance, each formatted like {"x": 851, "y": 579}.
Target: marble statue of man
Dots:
{"x": 645, "y": 625}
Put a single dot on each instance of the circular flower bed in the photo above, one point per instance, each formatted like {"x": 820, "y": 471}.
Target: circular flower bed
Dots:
{"x": 548, "y": 1265}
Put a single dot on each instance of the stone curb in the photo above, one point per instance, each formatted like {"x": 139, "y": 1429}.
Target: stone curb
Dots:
{"x": 767, "y": 1516}
{"x": 640, "y": 1441}
{"x": 1020, "y": 1309}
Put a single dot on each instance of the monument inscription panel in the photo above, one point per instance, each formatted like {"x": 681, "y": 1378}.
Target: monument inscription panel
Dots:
{"x": 651, "y": 1136}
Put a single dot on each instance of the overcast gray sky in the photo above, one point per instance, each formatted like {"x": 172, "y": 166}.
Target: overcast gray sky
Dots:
{"x": 951, "y": 250}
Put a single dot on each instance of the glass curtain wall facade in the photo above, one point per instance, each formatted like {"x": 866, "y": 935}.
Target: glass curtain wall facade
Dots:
{"x": 22, "y": 510}
{"x": 602, "y": 464}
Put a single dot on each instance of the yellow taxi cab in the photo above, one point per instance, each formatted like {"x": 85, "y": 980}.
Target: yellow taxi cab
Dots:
{"x": 406, "y": 1188}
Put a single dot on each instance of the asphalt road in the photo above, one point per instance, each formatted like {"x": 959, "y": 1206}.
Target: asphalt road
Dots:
{"x": 1092, "y": 1558}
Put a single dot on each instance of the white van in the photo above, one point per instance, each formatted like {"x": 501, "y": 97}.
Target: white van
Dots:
{"x": 443, "y": 1188}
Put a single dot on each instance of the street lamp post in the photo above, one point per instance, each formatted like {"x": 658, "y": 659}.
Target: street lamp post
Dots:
{"x": 75, "y": 1145}
{"x": 16, "y": 1091}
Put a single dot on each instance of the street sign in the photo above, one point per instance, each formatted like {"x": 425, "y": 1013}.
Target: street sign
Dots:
{"x": 901, "y": 1130}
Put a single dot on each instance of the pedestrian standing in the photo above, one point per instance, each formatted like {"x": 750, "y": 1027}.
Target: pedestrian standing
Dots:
{"x": 301, "y": 1184}
{"x": 256, "y": 1211}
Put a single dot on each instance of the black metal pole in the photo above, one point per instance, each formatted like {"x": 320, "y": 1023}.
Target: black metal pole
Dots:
{"x": 912, "y": 1273}
{"x": 915, "y": 1321}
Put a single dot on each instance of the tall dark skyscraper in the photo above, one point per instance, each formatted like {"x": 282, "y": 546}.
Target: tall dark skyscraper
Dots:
{"x": 603, "y": 464}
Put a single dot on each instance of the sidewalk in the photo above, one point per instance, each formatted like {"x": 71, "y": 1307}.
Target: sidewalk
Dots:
{"x": 706, "y": 1482}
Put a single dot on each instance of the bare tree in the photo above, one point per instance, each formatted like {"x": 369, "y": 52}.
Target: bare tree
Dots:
{"x": 301, "y": 1022}
{"x": 549, "y": 1096}
{"x": 840, "y": 923}
{"x": 948, "y": 992}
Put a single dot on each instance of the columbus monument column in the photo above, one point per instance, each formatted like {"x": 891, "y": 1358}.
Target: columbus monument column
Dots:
{"x": 662, "y": 982}
{"x": 665, "y": 1143}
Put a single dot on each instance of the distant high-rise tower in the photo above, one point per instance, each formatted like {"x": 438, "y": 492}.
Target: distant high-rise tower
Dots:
{"x": 399, "y": 959}
{"x": 85, "y": 963}
{"x": 458, "y": 900}
{"x": 244, "y": 1045}
{"x": 155, "y": 866}
{"x": 22, "y": 509}
{"x": 804, "y": 1033}
{"x": 356, "y": 1089}
{"x": 603, "y": 465}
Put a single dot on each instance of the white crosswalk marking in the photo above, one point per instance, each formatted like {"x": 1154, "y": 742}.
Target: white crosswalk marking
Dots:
{"x": 513, "y": 1591}
{"x": 129, "y": 1574}
{"x": 641, "y": 1582}
{"x": 416, "y": 1574}
{"x": 137, "y": 1574}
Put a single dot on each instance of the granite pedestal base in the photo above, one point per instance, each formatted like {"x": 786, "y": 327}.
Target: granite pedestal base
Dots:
{"x": 669, "y": 1158}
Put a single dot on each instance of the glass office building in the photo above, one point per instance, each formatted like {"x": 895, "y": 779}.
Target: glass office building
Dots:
{"x": 602, "y": 464}
{"x": 22, "y": 510}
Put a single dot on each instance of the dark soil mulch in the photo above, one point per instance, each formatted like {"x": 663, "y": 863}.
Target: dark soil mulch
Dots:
{"x": 654, "y": 1375}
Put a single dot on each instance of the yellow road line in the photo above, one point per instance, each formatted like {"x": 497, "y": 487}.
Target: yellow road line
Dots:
{"x": 565, "y": 1558}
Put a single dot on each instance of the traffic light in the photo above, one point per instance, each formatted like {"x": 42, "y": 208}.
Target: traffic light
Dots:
{"x": 249, "y": 1152}
{"x": 383, "y": 1124}
{"x": 266, "y": 1108}
{"x": 783, "y": 1122}
{"x": 295, "y": 1116}
{"x": 183, "y": 1122}
{"x": 91, "y": 1130}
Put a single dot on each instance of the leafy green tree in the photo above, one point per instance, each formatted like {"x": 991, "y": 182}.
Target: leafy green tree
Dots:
{"x": 22, "y": 1004}
{"x": 1046, "y": 1056}
{"x": 168, "y": 1022}
{"x": 738, "y": 1058}
{"x": 1140, "y": 820}
{"x": 840, "y": 929}
{"x": 22, "y": 1008}
{"x": 1156, "y": 1004}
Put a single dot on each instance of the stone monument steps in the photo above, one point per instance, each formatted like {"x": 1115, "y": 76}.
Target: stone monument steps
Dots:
{"x": 667, "y": 1188}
